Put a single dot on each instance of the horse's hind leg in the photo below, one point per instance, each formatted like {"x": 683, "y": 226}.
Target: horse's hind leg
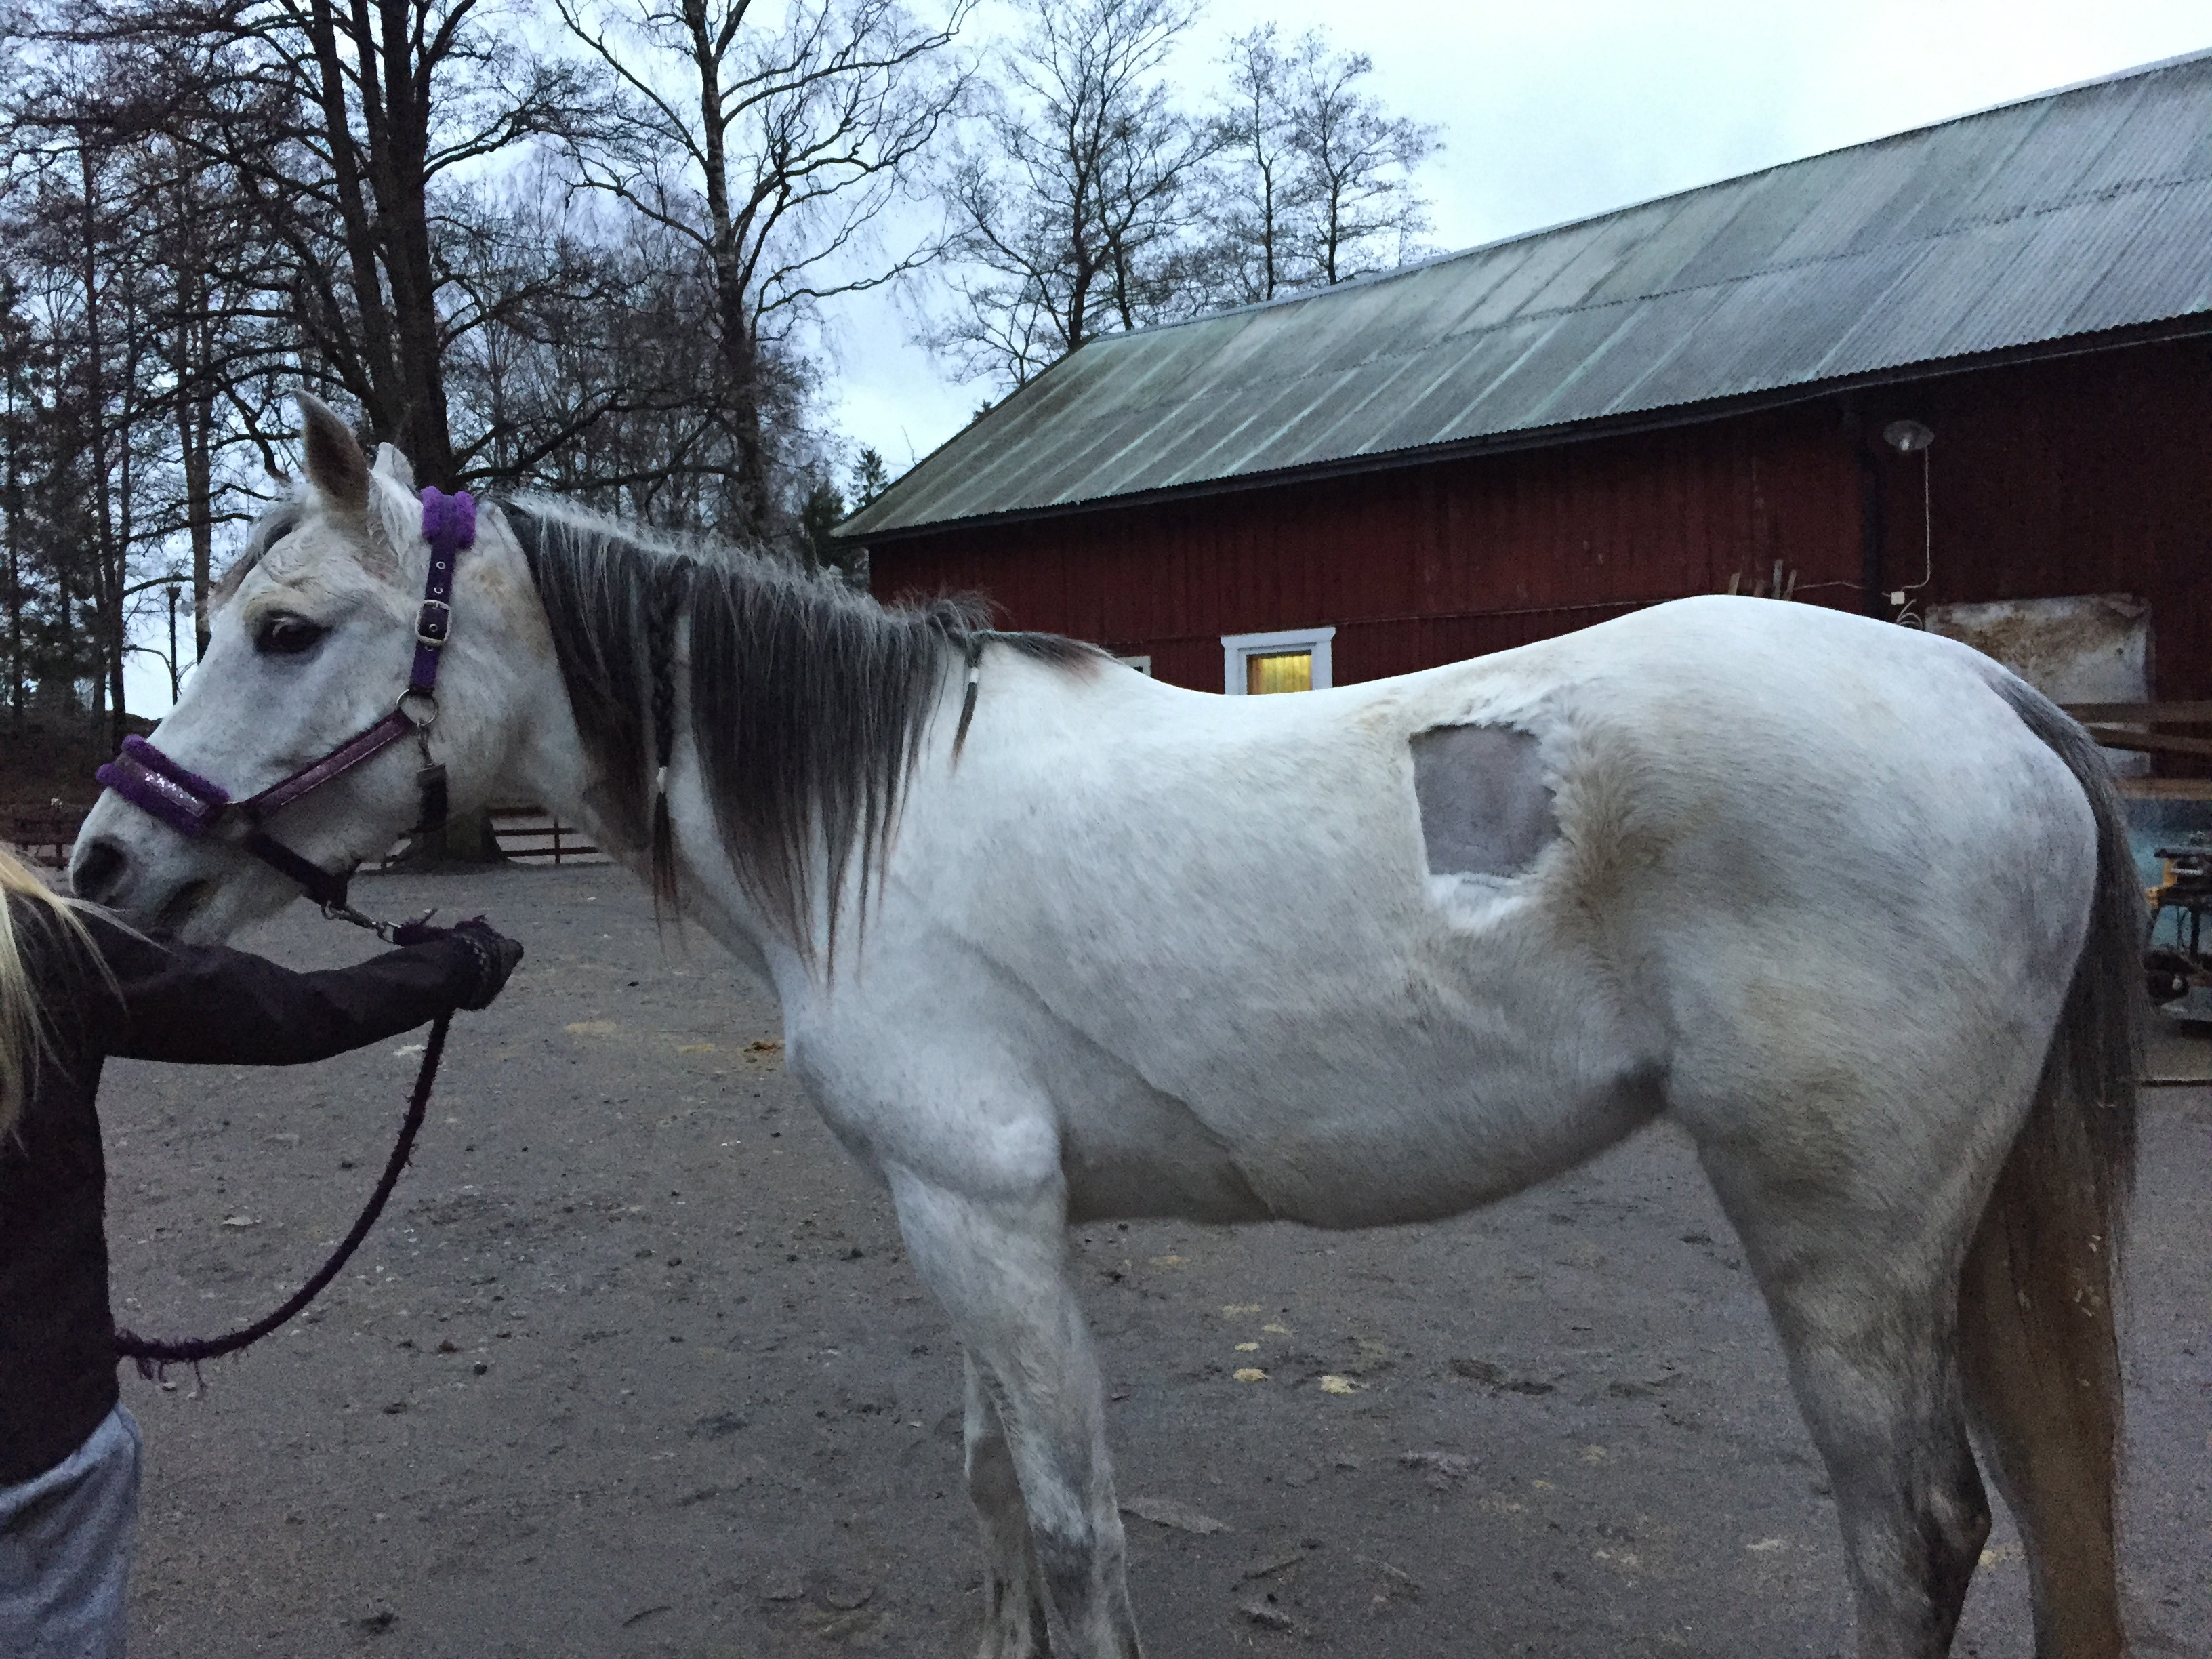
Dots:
{"x": 1037, "y": 1417}
{"x": 1862, "y": 1286}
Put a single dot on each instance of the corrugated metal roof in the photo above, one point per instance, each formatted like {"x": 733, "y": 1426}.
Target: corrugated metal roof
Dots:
{"x": 2075, "y": 213}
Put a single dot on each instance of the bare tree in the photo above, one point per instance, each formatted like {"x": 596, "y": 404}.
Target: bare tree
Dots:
{"x": 81, "y": 486}
{"x": 204, "y": 283}
{"x": 1313, "y": 182}
{"x": 19, "y": 431}
{"x": 1072, "y": 212}
{"x": 341, "y": 124}
{"x": 587, "y": 370}
{"x": 1260, "y": 184}
{"x": 206, "y": 201}
{"x": 216, "y": 279}
{"x": 773, "y": 154}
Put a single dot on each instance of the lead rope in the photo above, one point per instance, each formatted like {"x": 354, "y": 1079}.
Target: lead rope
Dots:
{"x": 154, "y": 1355}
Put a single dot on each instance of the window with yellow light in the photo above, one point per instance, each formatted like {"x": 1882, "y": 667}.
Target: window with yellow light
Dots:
{"x": 1278, "y": 671}
{"x": 1285, "y": 659}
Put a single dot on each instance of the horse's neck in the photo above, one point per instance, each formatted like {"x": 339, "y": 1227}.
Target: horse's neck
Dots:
{"x": 544, "y": 760}
{"x": 547, "y": 766}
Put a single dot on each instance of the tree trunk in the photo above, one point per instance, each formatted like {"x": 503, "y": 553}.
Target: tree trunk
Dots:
{"x": 196, "y": 423}
{"x": 67, "y": 654}
{"x": 741, "y": 407}
{"x": 398, "y": 160}
{"x": 378, "y": 396}
{"x": 191, "y": 348}
{"x": 107, "y": 578}
{"x": 740, "y": 392}
{"x": 14, "y": 508}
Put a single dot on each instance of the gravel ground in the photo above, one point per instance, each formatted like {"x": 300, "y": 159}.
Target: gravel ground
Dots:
{"x": 635, "y": 1365}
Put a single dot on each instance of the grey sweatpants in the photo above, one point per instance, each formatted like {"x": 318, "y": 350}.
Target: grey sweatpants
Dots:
{"x": 66, "y": 1550}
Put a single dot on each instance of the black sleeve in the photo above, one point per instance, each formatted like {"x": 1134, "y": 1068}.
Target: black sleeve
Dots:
{"x": 207, "y": 1004}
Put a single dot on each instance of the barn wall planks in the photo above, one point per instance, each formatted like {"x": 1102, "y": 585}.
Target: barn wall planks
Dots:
{"x": 2087, "y": 475}
{"x": 2082, "y": 475}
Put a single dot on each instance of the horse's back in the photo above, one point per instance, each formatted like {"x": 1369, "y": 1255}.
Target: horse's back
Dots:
{"x": 1727, "y": 789}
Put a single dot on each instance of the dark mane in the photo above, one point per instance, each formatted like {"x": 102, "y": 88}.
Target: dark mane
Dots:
{"x": 808, "y": 702}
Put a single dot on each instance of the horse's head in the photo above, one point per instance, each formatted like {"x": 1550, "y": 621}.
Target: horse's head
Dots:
{"x": 312, "y": 639}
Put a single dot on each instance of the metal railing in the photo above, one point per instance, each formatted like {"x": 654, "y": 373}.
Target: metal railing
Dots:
{"x": 530, "y": 834}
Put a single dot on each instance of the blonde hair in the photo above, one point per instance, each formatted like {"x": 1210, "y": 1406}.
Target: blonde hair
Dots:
{"x": 23, "y": 1028}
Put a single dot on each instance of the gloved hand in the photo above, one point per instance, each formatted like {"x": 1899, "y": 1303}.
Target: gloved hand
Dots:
{"x": 496, "y": 955}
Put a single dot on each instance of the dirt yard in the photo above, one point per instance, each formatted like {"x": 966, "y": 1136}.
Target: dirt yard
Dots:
{"x": 636, "y": 1366}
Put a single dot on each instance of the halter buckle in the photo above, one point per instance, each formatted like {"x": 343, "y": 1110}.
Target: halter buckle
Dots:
{"x": 431, "y": 629}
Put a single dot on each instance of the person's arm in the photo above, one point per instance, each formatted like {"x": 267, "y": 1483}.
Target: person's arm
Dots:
{"x": 208, "y": 1004}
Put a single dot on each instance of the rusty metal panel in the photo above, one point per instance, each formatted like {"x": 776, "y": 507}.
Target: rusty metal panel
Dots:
{"x": 2084, "y": 210}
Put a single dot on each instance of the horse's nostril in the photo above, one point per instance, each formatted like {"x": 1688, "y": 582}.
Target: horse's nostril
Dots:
{"x": 97, "y": 871}
{"x": 177, "y": 910}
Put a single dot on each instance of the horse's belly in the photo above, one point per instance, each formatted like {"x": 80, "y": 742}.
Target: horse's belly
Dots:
{"x": 1369, "y": 1156}
{"x": 1150, "y": 1155}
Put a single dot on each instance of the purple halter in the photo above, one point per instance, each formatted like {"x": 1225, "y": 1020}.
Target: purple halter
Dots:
{"x": 195, "y": 806}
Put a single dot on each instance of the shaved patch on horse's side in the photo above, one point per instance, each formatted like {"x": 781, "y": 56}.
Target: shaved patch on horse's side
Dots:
{"x": 1486, "y": 810}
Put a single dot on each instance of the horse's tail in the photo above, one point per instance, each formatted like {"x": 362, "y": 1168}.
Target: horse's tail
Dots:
{"x": 2039, "y": 1342}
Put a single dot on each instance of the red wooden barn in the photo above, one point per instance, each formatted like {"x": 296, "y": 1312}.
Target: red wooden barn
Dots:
{"x": 1704, "y": 391}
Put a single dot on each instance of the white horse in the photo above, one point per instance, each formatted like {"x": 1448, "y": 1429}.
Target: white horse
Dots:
{"x": 1852, "y": 904}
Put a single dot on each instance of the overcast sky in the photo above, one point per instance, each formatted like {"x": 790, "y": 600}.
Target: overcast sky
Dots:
{"x": 1558, "y": 109}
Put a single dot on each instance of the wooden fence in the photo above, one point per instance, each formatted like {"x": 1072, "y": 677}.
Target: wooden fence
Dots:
{"x": 2142, "y": 726}
{"x": 44, "y": 836}
{"x": 530, "y": 834}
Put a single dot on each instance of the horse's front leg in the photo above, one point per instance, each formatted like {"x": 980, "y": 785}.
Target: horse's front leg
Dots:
{"x": 1013, "y": 1593}
{"x": 1037, "y": 1427}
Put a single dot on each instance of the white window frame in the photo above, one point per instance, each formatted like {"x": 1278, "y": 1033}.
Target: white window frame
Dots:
{"x": 1143, "y": 664}
{"x": 1238, "y": 649}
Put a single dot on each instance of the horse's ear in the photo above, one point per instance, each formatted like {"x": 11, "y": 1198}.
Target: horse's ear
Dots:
{"x": 336, "y": 466}
{"x": 391, "y": 464}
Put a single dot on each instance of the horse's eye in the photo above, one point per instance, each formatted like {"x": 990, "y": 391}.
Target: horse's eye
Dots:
{"x": 283, "y": 636}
